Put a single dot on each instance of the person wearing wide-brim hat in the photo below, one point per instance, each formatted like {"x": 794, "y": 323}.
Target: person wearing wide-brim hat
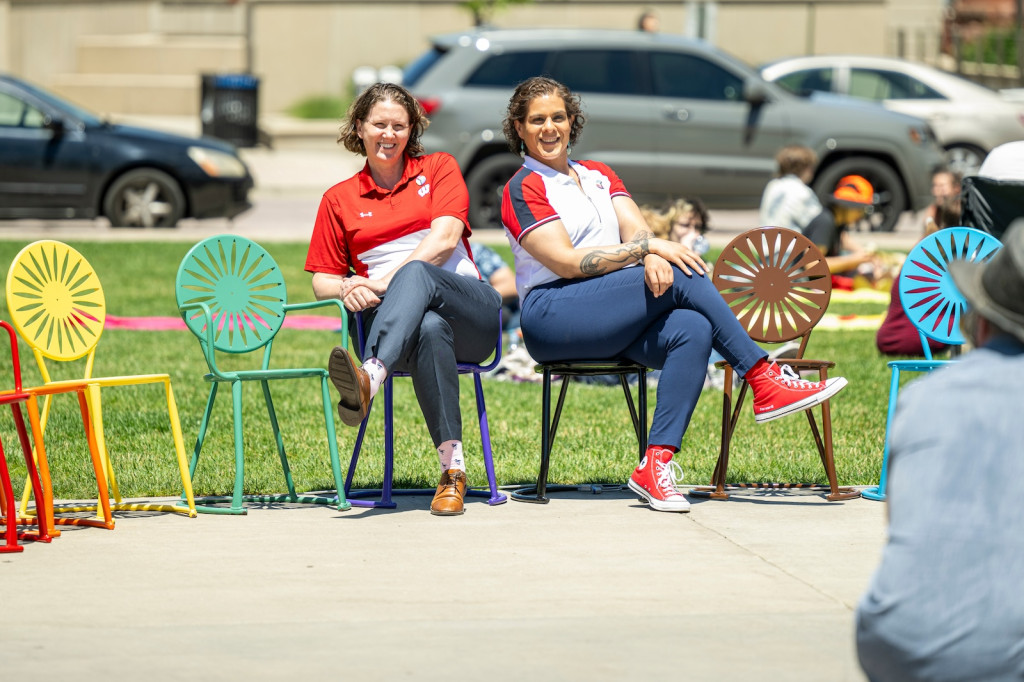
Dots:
{"x": 946, "y": 602}
{"x": 852, "y": 199}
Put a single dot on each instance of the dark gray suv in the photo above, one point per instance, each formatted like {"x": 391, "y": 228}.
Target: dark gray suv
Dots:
{"x": 672, "y": 116}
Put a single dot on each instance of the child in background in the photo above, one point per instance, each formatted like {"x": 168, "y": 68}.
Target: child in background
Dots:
{"x": 788, "y": 200}
{"x": 689, "y": 221}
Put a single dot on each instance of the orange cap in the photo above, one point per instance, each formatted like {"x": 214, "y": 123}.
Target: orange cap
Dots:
{"x": 853, "y": 190}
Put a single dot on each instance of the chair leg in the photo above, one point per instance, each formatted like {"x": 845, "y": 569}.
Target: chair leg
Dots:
{"x": 485, "y": 440}
{"x": 332, "y": 446}
{"x": 389, "y": 443}
{"x": 279, "y": 441}
{"x": 10, "y": 509}
{"x": 878, "y": 492}
{"x": 44, "y": 514}
{"x": 236, "y": 407}
{"x": 385, "y": 501}
{"x": 730, "y": 417}
{"x": 538, "y": 494}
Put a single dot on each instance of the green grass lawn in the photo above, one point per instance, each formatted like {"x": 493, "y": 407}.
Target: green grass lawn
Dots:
{"x": 594, "y": 444}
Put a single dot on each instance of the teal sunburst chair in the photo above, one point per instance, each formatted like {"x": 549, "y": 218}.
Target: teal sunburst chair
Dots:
{"x": 933, "y": 303}
{"x": 232, "y": 296}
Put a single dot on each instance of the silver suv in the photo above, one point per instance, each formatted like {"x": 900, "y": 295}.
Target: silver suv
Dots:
{"x": 673, "y": 117}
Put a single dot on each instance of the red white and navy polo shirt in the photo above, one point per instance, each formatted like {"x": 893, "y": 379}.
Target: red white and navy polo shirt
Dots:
{"x": 363, "y": 228}
{"x": 538, "y": 194}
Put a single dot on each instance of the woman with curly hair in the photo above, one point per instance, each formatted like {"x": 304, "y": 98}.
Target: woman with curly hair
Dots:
{"x": 578, "y": 238}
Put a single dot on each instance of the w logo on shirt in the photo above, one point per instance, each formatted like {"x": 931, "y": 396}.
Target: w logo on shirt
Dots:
{"x": 424, "y": 190}
{"x": 366, "y": 214}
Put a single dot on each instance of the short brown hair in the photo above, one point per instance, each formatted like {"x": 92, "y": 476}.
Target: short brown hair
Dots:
{"x": 531, "y": 89}
{"x": 795, "y": 159}
{"x": 360, "y": 109}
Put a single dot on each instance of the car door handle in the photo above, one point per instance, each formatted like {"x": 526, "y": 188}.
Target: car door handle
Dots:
{"x": 675, "y": 114}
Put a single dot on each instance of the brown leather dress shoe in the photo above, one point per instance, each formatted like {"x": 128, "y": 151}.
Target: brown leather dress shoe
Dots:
{"x": 451, "y": 491}
{"x": 353, "y": 384}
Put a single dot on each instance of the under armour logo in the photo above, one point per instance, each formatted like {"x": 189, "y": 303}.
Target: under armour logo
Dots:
{"x": 368, "y": 214}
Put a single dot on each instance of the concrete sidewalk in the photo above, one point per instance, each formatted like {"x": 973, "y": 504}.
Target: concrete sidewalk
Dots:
{"x": 589, "y": 587}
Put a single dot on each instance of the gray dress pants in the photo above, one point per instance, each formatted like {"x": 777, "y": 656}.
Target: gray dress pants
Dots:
{"x": 429, "y": 320}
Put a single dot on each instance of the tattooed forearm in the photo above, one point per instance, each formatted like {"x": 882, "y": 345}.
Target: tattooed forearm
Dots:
{"x": 601, "y": 261}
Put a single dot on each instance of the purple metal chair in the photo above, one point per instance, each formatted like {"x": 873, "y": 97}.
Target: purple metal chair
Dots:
{"x": 386, "y": 492}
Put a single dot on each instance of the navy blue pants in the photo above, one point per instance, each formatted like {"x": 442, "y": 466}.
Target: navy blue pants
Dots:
{"x": 615, "y": 316}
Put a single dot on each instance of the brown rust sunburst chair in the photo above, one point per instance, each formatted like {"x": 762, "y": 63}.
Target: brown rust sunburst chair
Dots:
{"x": 778, "y": 285}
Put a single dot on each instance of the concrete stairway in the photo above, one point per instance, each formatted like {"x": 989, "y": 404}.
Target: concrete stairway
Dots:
{"x": 147, "y": 74}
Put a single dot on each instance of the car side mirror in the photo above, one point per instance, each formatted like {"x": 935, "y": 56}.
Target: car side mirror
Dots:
{"x": 755, "y": 92}
{"x": 55, "y": 125}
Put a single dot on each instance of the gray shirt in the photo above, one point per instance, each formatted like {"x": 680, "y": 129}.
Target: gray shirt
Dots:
{"x": 947, "y": 601}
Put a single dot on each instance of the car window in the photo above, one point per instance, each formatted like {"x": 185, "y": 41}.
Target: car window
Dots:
{"x": 692, "y": 76}
{"x": 808, "y": 80}
{"x": 11, "y": 110}
{"x": 877, "y": 84}
{"x": 601, "y": 71}
{"x": 419, "y": 66}
{"x": 508, "y": 70}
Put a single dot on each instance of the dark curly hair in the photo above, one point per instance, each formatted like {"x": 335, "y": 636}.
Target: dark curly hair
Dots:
{"x": 383, "y": 92}
{"x": 531, "y": 89}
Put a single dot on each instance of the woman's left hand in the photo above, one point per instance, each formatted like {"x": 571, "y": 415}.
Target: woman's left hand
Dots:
{"x": 377, "y": 286}
{"x": 658, "y": 274}
{"x": 679, "y": 255}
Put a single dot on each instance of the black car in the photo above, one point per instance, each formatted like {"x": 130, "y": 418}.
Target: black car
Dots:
{"x": 59, "y": 161}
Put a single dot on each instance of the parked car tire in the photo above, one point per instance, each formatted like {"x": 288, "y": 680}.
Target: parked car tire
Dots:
{"x": 144, "y": 197}
{"x": 486, "y": 182}
{"x": 890, "y": 196}
{"x": 964, "y": 158}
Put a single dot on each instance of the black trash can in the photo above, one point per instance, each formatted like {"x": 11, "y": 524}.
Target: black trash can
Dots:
{"x": 229, "y": 108}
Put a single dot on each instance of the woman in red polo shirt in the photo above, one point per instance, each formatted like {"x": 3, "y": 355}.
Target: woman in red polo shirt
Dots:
{"x": 392, "y": 241}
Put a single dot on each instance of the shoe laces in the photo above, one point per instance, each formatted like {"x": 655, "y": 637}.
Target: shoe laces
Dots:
{"x": 668, "y": 475}
{"x": 792, "y": 379}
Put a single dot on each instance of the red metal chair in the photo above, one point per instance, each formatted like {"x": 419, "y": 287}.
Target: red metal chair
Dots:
{"x": 8, "y": 503}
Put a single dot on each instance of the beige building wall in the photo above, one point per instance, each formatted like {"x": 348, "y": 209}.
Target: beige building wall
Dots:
{"x": 301, "y": 48}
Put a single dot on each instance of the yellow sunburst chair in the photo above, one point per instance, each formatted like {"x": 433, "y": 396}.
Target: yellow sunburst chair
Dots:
{"x": 56, "y": 303}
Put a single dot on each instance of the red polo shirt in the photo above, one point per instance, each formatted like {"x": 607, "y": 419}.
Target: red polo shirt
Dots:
{"x": 364, "y": 228}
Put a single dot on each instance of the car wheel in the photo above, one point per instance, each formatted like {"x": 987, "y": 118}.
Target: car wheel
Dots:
{"x": 486, "y": 182}
{"x": 144, "y": 197}
{"x": 890, "y": 197}
{"x": 964, "y": 159}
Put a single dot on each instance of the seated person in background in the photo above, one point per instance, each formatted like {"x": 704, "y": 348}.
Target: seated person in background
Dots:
{"x": 898, "y": 335}
{"x": 853, "y": 198}
{"x": 788, "y": 201}
{"x": 945, "y": 192}
{"x": 946, "y": 602}
{"x": 689, "y": 221}
{"x": 499, "y": 275}
{"x": 657, "y": 220}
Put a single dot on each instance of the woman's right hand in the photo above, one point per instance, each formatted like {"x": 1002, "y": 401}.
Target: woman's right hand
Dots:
{"x": 359, "y": 297}
{"x": 677, "y": 254}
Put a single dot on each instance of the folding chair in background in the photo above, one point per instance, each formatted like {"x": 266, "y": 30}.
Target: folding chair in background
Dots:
{"x": 778, "y": 285}
{"x": 57, "y": 305}
{"x": 934, "y": 305}
{"x": 8, "y": 504}
{"x": 231, "y": 294}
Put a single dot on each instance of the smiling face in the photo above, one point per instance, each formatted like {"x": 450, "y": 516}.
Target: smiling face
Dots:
{"x": 545, "y": 130}
{"x": 385, "y": 133}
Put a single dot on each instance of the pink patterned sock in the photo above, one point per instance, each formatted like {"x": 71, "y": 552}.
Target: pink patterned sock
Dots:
{"x": 378, "y": 373}
{"x": 450, "y": 454}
